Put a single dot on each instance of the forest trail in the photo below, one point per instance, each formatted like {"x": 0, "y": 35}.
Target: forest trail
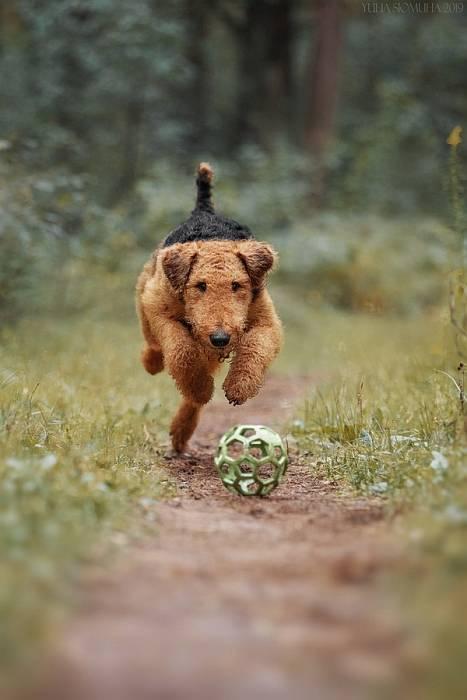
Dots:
{"x": 239, "y": 598}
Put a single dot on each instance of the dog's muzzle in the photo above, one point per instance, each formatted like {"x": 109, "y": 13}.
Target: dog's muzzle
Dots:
{"x": 219, "y": 339}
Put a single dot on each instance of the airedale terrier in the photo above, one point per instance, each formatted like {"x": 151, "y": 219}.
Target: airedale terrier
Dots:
{"x": 201, "y": 299}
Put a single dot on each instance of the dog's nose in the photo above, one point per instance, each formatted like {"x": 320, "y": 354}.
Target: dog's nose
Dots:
{"x": 219, "y": 339}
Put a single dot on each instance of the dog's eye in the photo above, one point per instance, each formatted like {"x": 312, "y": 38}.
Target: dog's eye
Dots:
{"x": 202, "y": 286}
{"x": 236, "y": 286}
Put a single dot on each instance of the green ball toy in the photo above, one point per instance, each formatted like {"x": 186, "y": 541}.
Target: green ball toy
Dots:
{"x": 251, "y": 460}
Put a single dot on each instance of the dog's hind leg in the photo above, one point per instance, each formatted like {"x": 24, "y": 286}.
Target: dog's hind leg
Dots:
{"x": 151, "y": 355}
{"x": 184, "y": 424}
{"x": 152, "y": 359}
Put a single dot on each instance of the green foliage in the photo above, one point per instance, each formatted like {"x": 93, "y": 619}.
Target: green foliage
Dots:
{"x": 108, "y": 87}
{"x": 401, "y": 95}
{"x": 91, "y": 82}
{"x": 359, "y": 262}
{"x": 79, "y": 453}
{"x": 27, "y": 241}
{"x": 59, "y": 250}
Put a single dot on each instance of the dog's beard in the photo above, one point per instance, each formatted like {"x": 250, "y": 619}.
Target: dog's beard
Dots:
{"x": 222, "y": 354}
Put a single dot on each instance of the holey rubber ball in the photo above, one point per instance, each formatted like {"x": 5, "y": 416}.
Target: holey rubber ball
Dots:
{"x": 251, "y": 460}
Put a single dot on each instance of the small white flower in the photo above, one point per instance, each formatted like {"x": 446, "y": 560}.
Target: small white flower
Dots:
{"x": 147, "y": 502}
{"x": 455, "y": 514}
{"x": 439, "y": 462}
{"x": 15, "y": 463}
{"x": 48, "y": 462}
{"x": 379, "y": 487}
{"x": 400, "y": 439}
{"x": 365, "y": 438}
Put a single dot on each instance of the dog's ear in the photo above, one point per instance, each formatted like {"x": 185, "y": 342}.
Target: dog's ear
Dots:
{"x": 177, "y": 262}
{"x": 258, "y": 259}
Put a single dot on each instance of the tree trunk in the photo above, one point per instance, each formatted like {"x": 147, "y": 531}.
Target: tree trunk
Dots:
{"x": 279, "y": 69}
{"x": 324, "y": 89}
{"x": 264, "y": 72}
{"x": 249, "y": 74}
{"x": 133, "y": 122}
{"x": 198, "y": 15}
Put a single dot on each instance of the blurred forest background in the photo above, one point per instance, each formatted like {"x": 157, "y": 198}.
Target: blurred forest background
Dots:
{"x": 327, "y": 126}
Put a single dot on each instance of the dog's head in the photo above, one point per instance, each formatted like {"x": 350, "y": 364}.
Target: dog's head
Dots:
{"x": 217, "y": 281}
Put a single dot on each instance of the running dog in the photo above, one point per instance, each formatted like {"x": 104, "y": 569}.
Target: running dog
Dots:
{"x": 202, "y": 298}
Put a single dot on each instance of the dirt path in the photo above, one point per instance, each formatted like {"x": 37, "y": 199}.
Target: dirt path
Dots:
{"x": 238, "y": 598}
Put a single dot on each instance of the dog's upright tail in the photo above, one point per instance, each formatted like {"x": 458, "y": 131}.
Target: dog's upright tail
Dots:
{"x": 203, "y": 182}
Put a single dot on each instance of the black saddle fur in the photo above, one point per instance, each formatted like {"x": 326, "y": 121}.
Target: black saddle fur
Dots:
{"x": 204, "y": 224}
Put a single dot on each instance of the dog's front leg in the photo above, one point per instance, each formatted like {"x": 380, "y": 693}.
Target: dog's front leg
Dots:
{"x": 255, "y": 352}
{"x": 185, "y": 362}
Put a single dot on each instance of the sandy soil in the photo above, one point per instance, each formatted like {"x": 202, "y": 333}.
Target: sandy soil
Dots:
{"x": 239, "y": 598}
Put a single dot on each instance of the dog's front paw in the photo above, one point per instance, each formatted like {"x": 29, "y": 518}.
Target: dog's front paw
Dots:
{"x": 240, "y": 388}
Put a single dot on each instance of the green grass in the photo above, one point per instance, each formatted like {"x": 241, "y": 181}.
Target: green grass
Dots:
{"x": 386, "y": 422}
{"x": 82, "y": 433}
{"x": 384, "y": 407}
{"x": 82, "y": 428}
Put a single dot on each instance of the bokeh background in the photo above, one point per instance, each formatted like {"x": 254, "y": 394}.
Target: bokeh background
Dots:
{"x": 318, "y": 117}
{"x": 326, "y": 122}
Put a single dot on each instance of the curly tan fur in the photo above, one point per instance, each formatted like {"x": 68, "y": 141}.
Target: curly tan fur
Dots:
{"x": 205, "y": 171}
{"x": 190, "y": 291}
